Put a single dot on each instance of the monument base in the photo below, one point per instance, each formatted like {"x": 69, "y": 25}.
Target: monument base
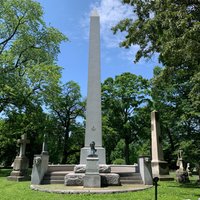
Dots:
{"x": 107, "y": 179}
{"x": 102, "y": 168}
{"x": 20, "y": 169}
{"x": 160, "y": 169}
{"x": 92, "y": 181}
{"x": 19, "y": 176}
{"x": 87, "y": 150}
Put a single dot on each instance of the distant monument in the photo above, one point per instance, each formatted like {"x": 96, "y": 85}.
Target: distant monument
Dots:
{"x": 93, "y": 109}
{"x": 21, "y": 162}
{"x": 182, "y": 175}
{"x": 159, "y": 166}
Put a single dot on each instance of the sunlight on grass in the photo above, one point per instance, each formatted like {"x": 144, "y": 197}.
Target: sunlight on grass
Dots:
{"x": 166, "y": 191}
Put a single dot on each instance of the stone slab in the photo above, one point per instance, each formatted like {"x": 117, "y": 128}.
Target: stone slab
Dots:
{"x": 76, "y": 179}
{"x": 61, "y": 189}
{"x": 92, "y": 166}
{"x": 72, "y": 179}
{"x": 18, "y": 178}
{"x": 102, "y": 169}
{"x": 109, "y": 179}
{"x": 92, "y": 181}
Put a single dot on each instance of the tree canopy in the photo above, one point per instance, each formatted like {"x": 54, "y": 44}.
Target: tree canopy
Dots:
{"x": 28, "y": 51}
{"x": 170, "y": 30}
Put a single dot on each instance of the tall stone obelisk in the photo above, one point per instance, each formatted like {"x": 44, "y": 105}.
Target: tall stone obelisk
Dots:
{"x": 159, "y": 165}
{"x": 93, "y": 108}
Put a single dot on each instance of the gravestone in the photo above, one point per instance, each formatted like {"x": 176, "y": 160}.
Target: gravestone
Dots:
{"x": 159, "y": 165}
{"x": 21, "y": 162}
{"x": 182, "y": 175}
{"x": 93, "y": 108}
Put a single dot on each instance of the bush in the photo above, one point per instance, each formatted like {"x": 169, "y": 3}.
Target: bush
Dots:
{"x": 119, "y": 161}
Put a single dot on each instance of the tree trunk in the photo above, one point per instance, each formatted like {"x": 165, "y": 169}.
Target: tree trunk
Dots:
{"x": 126, "y": 151}
{"x": 170, "y": 139}
{"x": 65, "y": 147}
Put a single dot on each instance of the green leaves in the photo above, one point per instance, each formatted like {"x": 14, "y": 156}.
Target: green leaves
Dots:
{"x": 122, "y": 99}
{"x": 28, "y": 50}
{"x": 169, "y": 28}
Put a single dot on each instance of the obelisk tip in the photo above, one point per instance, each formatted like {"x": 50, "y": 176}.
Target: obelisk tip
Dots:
{"x": 94, "y": 13}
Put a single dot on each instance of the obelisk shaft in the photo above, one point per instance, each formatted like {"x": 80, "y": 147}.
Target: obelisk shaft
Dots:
{"x": 159, "y": 166}
{"x": 157, "y": 152}
{"x": 93, "y": 108}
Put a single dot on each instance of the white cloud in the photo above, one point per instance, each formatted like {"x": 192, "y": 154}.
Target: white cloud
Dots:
{"x": 111, "y": 12}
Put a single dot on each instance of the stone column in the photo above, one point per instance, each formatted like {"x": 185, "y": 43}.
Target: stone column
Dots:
{"x": 159, "y": 166}
{"x": 93, "y": 109}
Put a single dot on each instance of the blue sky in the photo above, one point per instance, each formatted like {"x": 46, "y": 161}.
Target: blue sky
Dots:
{"x": 71, "y": 17}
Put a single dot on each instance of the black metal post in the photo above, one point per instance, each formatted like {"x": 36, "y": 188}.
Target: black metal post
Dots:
{"x": 155, "y": 181}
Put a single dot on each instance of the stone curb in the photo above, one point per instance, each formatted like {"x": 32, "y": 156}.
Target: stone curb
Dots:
{"x": 88, "y": 191}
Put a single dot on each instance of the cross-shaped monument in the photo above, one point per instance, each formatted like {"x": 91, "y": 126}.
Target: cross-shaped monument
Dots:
{"x": 21, "y": 162}
{"x": 23, "y": 141}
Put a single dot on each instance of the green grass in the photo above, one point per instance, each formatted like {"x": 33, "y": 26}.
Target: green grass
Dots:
{"x": 166, "y": 191}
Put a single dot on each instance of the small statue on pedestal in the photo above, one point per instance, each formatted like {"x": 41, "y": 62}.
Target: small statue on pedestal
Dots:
{"x": 93, "y": 150}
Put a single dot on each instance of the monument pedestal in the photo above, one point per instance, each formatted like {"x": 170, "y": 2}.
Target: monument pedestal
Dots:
{"x": 87, "y": 150}
{"x": 160, "y": 169}
{"x": 20, "y": 169}
{"x": 92, "y": 177}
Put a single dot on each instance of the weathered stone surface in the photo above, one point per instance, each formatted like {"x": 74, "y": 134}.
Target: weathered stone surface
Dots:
{"x": 21, "y": 163}
{"x": 92, "y": 166}
{"x": 80, "y": 168}
{"x": 104, "y": 169}
{"x": 110, "y": 179}
{"x": 107, "y": 179}
{"x": 40, "y": 167}
{"x": 92, "y": 181}
{"x": 72, "y": 179}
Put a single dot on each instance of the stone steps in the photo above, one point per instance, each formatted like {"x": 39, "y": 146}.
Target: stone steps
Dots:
{"x": 56, "y": 174}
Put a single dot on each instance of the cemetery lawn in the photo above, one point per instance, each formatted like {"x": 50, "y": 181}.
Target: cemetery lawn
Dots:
{"x": 169, "y": 190}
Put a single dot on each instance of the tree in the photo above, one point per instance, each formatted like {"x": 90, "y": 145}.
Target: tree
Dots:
{"x": 122, "y": 97}
{"x": 67, "y": 107}
{"x": 28, "y": 72}
{"x": 28, "y": 49}
{"x": 179, "y": 120}
{"x": 171, "y": 30}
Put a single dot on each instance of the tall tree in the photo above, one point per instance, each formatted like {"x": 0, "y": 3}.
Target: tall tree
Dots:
{"x": 171, "y": 30}
{"x": 67, "y": 106}
{"x": 28, "y": 49}
{"x": 28, "y": 71}
{"x": 122, "y": 97}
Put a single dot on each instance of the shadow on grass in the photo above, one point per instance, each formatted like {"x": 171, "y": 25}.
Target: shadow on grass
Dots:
{"x": 5, "y": 172}
{"x": 191, "y": 184}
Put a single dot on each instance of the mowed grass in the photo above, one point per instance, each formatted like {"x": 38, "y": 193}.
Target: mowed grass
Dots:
{"x": 166, "y": 191}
